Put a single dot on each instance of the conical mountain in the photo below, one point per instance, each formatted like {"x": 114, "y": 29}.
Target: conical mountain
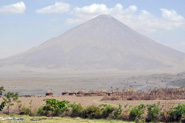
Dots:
{"x": 100, "y": 43}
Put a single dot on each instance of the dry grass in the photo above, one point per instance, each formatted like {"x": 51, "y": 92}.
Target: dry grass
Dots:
{"x": 155, "y": 94}
{"x": 28, "y": 119}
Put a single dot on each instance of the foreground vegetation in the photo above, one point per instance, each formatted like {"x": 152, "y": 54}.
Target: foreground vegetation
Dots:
{"x": 55, "y": 108}
{"x": 43, "y": 119}
{"x": 141, "y": 113}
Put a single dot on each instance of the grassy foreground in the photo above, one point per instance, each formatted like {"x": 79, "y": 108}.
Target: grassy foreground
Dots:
{"x": 42, "y": 119}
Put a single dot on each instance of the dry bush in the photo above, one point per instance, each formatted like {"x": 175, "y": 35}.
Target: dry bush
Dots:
{"x": 155, "y": 94}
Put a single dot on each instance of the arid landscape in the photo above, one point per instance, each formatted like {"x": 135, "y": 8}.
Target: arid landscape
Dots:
{"x": 94, "y": 61}
{"x": 38, "y": 101}
{"x": 39, "y": 84}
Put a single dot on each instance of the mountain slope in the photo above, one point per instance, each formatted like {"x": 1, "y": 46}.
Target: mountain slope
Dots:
{"x": 101, "y": 43}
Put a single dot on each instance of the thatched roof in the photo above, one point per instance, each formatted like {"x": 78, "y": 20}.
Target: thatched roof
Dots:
{"x": 109, "y": 92}
{"x": 80, "y": 92}
{"x": 103, "y": 91}
{"x": 181, "y": 89}
{"x": 72, "y": 92}
{"x": 49, "y": 92}
{"x": 92, "y": 92}
{"x": 129, "y": 90}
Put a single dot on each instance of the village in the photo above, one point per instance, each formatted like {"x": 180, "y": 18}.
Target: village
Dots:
{"x": 92, "y": 93}
{"x": 130, "y": 94}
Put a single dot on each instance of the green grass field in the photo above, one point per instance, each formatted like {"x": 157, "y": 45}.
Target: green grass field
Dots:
{"x": 28, "y": 119}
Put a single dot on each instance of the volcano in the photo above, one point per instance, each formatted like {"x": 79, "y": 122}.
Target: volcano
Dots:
{"x": 100, "y": 43}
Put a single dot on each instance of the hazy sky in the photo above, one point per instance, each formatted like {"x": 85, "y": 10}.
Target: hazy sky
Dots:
{"x": 28, "y": 23}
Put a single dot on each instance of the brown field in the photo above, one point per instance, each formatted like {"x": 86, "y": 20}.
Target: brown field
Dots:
{"x": 38, "y": 101}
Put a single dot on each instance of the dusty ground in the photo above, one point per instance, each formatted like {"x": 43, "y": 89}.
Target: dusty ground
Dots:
{"x": 29, "y": 84}
{"x": 33, "y": 84}
{"x": 38, "y": 101}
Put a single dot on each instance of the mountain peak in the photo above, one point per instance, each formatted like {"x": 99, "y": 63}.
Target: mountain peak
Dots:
{"x": 104, "y": 16}
{"x": 101, "y": 43}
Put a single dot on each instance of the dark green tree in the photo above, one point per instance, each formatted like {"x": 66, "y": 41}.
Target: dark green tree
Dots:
{"x": 3, "y": 103}
{"x": 1, "y": 90}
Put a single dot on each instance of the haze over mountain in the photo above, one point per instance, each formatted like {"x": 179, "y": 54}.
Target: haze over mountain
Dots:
{"x": 100, "y": 43}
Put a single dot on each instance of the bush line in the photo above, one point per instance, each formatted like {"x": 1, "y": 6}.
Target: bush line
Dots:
{"x": 141, "y": 113}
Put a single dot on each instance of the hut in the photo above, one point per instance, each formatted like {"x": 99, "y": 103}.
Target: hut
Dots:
{"x": 87, "y": 94}
{"x": 93, "y": 93}
{"x": 49, "y": 93}
{"x": 181, "y": 89}
{"x": 102, "y": 93}
{"x": 65, "y": 93}
{"x": 80, "y": 93}
{"x": 128, "y": 91}
{"x": 109, "y": 93}
{"x": 72, "y": 93}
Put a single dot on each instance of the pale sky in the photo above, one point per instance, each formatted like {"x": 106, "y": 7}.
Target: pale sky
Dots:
{"x": 28, "y": 23}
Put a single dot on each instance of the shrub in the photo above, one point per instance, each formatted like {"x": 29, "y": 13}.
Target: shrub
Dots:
{"x": 35, "y": 112}
{"x": 44, "y": 111}
{"x": 25, "y": 111}
{"x": 126, "y": 111}
{"x": 183, "y": 118}
{"x": 137, "y": 113}
{"x": 54, "y": 107}
{"x": 177, "y": 113}
{"x": 76, "y": 109}
{"x": 2, "y": 105}
{"x": 107, "y": 110}
{"x": 153, "y": 112}
{"x": 57, "y": 107}
{"x": 1, "y": 90}
{"x": 92, "y": 112}
{"x": 164, "y": 116}
{"x": 118, "y": 112}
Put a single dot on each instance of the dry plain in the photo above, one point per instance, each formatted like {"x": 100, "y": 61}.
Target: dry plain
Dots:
{"x": 38, "y": 101}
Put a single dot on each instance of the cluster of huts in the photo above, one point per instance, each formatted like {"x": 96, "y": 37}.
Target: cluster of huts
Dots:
{"x": 91, "y": 93}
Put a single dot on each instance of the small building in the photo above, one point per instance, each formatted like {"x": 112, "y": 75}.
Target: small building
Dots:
{"x": 128, "y": 91}
{"x": 93, "y": 93}
{"x": 72, "y": 93}
{"x": 114, "y": 92}
{"x": 49, "y": 93}
{"x": 80, "y": 93}
{"x": 181, "y": 89}
{"x": 65, "y": 93}
{"x": 109, "y": 93}
{"x": 87, "y": 94}
{"x": 101, "y": 93}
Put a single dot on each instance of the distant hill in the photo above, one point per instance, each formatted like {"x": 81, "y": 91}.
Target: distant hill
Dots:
{"x": 100, "y": 43}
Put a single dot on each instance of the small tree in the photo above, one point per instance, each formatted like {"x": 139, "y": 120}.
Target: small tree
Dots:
{"x": 1, "y": 90}
{"x": 3, "y": 103}
{"x": 10, "y": 98}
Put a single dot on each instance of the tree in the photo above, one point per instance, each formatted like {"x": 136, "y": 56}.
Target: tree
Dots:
{"x": 1, "y": 90}
{"x": 3, "y": 103}
{"x": 10, "y": 98}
